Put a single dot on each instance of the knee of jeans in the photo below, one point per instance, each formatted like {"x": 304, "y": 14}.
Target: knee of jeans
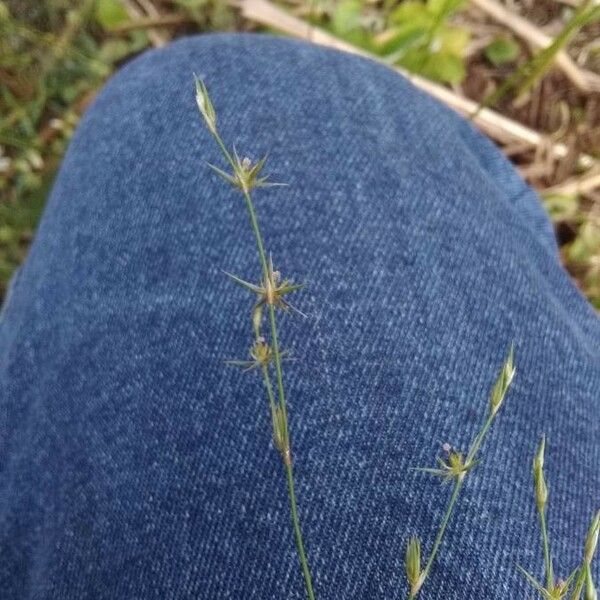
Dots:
{"x": 355, "y": 141}
{"x": 519, "y": 194}
{"x": 268, "y": 91}
{"x": 318, "y": 113}
{"x": 348, "y": 114}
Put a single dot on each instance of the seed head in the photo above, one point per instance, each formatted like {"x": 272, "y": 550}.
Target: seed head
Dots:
{"x": 454, "y": 467}
{"x": 413, "y": 565}
{"x": 271, "y": 291}
{"x": 280, "y": 437}
{"x": 205, "y": 106}
{"x": 541, "y": 489}
{"x": 502, "y": 383}
{"x": 557, "y": 591}
{"x": 592, "y": 540}
{"x": 246, "y": 175}
{"x": 261, "y": 352}
{"x": 590, "y": 588}
{"x": 261, "y": 355}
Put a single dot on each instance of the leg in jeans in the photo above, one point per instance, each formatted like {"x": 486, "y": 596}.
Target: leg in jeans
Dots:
{"x": 135, "y": 465}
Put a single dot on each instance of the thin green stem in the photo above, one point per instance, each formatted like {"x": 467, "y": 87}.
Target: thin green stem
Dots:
{"x": 479, "y": 439}
{"x": 269, "y": 386}
{"x": 546, "y": 546}
{"x": 475, "y": 446}
{"x": 272, "y": 318}
{"x": 440, "y": 536}
{"x": 278, "y": 368}
{"x": 282, "y": 402}
{"x": 298, "y": 532}
{"x": 223, "y": 149}
{"x": 280, "y": 387}
{"x": 258, "y": 237}
{"x": 579, "y": 581}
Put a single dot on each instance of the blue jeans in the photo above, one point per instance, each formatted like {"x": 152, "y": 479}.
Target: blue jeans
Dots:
{"x": 135, "y": 465}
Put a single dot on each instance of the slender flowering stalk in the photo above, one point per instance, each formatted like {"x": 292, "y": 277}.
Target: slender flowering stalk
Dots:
{"x": 454, "y": 469}
{"x": 580, "y": 580}
{"x": 583, "y": 581}
{"x": 271, "y": 294}
{"x": 541, "y": 501}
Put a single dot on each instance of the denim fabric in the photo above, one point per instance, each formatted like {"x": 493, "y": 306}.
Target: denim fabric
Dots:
{"x": 135, "y": 465}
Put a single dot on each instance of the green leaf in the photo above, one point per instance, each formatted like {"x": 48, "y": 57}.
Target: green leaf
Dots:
{"x": 414, "y": 59}
{"x": 502, "y": 50}
{"x": 412, "y": 12}
{"x": 561, "y": 207}
{"x": 346, "y": 16}
{"x": 407, "y": 36}
{"x": 586, "y": 244}
{"x": 110, "y": 13}
{"x": 528, "y": 74}
{"x": 442, "y": 66}
{"x": 454, "y": 40}
{"x": 444, "y": 8}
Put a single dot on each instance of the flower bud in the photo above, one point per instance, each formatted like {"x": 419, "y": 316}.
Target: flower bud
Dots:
{"x": 257, "y": 315}
{"x": 592, "y": 539}
{"x": 413, "y": 564}
{"x": 561, "y": 588}
{"x": 205, "y": 105}
{"x": 279, "y": 430}
{"x": 541, "y": 489}
{"x": 590, "y": 589}
{"x": 261, "y": 352}
{"x": 502, "y": 383}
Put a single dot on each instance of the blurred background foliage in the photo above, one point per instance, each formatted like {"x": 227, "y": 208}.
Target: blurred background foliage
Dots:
{"x": 56, "y": 54}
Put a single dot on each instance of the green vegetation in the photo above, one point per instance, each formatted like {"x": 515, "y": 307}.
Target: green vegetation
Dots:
{"x": 54, "y": 56}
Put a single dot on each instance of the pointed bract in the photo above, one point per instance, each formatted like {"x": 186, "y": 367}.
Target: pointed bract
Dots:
{"x": 558, "y": 591}
{"x": 591, "y": 541}
{"x": 205, "y": 105}
{"x": 590, "y": 589}
{"x": 246, "y": 284}
{"x": 541, "y": 489}
{"x": 503, "y": 382}
{"x": 454, "y": 468}
{"x": 228, "y": 178}
{"x": 412, "y": 565}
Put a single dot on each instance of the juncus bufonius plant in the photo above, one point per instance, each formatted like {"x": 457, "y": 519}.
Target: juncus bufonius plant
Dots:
{"x": 453, "y": 469}
{"x": 270, "y": 294}
{"x": 580, "y": 580}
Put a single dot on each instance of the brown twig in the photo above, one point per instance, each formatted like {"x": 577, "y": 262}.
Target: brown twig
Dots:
{"x": 577, "y": 185}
